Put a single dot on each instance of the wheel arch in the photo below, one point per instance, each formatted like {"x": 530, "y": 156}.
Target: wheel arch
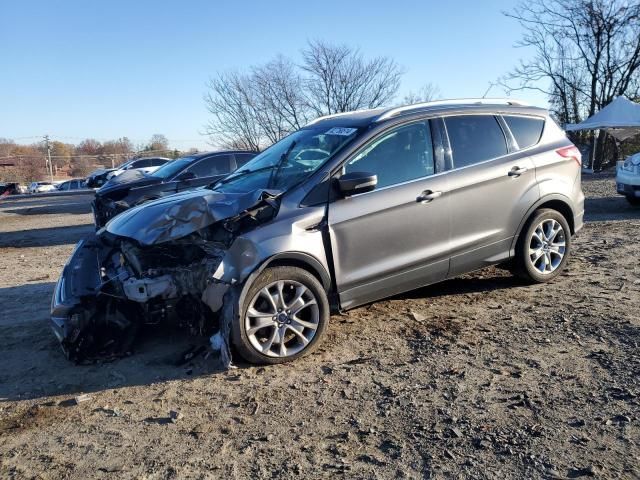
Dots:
{"x": 556, "y": 202}
{"x": 300, "y": 260}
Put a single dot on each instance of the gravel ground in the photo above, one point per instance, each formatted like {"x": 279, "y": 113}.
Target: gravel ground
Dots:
{"x": 477, "y": 377}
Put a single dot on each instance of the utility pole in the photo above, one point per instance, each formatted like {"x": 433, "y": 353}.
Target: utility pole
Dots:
{"x": 48, "y": 159}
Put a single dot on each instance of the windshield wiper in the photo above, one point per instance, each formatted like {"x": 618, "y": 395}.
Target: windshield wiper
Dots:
{"x": 283, "y": 158}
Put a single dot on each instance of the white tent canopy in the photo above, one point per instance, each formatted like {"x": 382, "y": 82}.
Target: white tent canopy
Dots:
{"x": 621, "y": 119}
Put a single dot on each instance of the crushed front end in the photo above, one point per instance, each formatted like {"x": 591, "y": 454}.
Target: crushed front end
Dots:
{"x": 111, "y": 287}
{"x": 113, "y": 284}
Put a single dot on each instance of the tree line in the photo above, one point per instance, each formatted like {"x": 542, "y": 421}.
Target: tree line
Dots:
{"x": 26, "y": 163}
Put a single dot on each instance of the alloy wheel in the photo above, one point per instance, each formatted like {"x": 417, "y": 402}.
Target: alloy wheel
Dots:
{"x": 547, "y": 246}
{"x": 282, "y": 318}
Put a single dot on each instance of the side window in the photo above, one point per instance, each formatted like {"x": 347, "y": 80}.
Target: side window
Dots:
{"x": 474, "y": 139}
{"x": 211, "y": 166}
{"x": 526, "y": 130}
{"x": 404, "y": 154}
{"x": 242, "y": 158}
{"x": 156, "y": 162}
{"x": 139, "y": 164}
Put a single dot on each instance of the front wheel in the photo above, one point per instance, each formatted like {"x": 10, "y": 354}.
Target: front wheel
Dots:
{"x": 283, "y": 317}
{"x": 542, "y": 250}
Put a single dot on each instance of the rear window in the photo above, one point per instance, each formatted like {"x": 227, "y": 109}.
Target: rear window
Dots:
{"x": 475, "y": 139}
{"x": 526, "y": 130}
{"x": 242, "y": 158}
{"x": 141, "y": 163}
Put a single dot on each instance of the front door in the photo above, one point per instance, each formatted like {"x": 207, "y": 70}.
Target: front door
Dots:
{"x": 394, "y": 238}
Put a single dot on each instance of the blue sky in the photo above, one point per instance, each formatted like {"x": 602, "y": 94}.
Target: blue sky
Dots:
{"x": 77, "y": 69}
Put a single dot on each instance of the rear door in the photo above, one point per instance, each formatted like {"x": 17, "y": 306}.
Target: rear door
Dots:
{"x": 491, "y": 187}
{"x": 395, "y": 237}
{"x": 207, "y": 170}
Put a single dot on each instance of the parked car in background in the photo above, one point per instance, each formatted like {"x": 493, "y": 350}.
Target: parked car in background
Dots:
{"x": 10, "y": 189}
{"x": 135, "y": 187}
{"x": 146, "y": 165}
{"x": 75, "y": 184}
{"x": 98, "y": 177}
{"x": 350, "y": 209}
{"x": 628, "y": 179}
{"x": 41, "y": 187}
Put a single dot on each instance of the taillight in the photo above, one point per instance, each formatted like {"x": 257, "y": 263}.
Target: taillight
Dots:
{"x": 571, "y": 152}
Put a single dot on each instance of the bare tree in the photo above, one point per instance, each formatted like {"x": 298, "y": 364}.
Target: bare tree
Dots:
{"x": 158, "y": 142}
{"x": 231, "y": 101}
{"x": 279, "y": 98}
{"x": 340, "y": 79}
{"x": 427, "y": 93}
{"x": 253, "y": 110}
{"x": 586, "y": 52}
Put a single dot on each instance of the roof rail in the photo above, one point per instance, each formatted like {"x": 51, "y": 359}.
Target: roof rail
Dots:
{"x": 456, "y": 101}
{"x": 333, "y": 115}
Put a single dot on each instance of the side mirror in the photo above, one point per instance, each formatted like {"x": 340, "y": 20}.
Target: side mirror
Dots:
{"x": 357, "y": 182}
{"x": 186, "y": 176}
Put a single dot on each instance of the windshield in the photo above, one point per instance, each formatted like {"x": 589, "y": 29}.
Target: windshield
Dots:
{"x": 289, "y": 161}
{"x": 169, "y": 169}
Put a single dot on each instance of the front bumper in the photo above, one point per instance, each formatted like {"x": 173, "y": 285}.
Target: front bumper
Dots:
{"x": 74, "y": 299}
{"x": 628, "y": 181}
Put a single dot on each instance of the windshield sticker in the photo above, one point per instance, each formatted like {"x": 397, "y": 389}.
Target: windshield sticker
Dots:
{"x": 341, "y": 131}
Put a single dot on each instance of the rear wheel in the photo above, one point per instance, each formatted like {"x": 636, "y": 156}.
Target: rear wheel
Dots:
{"x": 284, "y": 316}
{"x": 635, "y": 201}
{"x": 542, "y": 250}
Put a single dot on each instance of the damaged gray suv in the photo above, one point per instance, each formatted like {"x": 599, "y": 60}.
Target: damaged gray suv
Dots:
{"x": 352, "y": 208}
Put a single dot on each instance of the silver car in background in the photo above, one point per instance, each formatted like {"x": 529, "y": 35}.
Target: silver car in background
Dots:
{"x": 350, "y": 209}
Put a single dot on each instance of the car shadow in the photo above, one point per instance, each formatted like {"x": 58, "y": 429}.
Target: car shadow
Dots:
{"x": 45, "y": 237}
{"x": 485, "y": 280}
{"x": 603, "y": 209}
{"x": 34, "y": 365}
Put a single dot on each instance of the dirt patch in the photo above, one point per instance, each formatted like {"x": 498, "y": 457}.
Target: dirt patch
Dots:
{"x": 477, "y": 377}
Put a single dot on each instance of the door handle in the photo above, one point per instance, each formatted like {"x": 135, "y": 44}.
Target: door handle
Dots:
{"x": 428, "y": 196}
{"x": 517, "y": 171}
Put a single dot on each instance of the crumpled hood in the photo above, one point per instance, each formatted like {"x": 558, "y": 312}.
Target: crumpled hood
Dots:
{"x": 130, "y": 179}
{"x": 179, "y": 215}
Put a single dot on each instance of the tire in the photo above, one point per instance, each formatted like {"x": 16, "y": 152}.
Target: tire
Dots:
{"x": 635, "y": 201}
{"x": 264, "y": 320}
{"x": 543, "y": 250}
